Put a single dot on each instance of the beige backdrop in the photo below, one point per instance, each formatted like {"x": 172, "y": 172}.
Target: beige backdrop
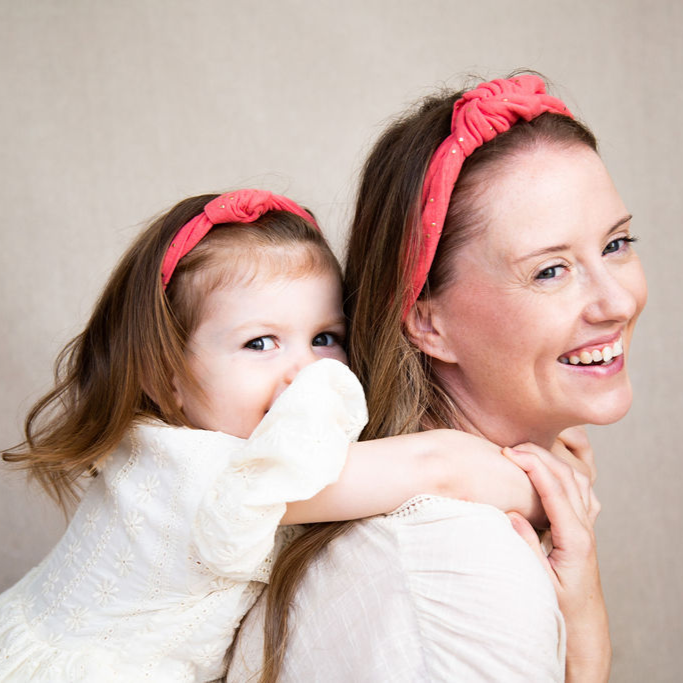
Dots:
{"x": 111, "y": 111}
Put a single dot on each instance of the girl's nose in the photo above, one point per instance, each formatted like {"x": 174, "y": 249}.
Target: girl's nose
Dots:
{"x": 299, "y": 360}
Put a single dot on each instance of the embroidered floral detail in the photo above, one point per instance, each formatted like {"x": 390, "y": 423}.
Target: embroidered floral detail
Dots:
{"x": 249, "y": 473}
{"x": 210, "y": 654}
{"x": 186, "y": 673}
{"x": 124, "y": 561}
{"x": 147, "y": 488}
{"x": 29, "y": 602}
{"x": 50, "y": 581}
{"x": 76, "y": 618}
{"x": 133, "y": 523}
{"x": 72, "y": 551}
{"x": 105, "y": 592}
{"x": 91, "y": 521}
{"x": 159, "y": 452}
{"x": 53, "y": 639}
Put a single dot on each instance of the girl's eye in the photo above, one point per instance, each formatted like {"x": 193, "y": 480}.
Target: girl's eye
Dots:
{"x": 618, "y": 244}
{"x": 324, "y": 339}
{"x": 548, "y": 273}
{"x": 260, "y": 344}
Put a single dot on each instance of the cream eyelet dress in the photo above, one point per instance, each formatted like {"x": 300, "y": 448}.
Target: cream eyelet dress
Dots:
{"x": 172, "y": 542}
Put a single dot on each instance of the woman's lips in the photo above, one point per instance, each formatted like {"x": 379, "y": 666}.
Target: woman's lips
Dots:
{"x": 602, "y": 355}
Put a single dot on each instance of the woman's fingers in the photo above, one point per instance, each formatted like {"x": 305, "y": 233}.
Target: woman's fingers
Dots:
{"x": 570, "y": 522}
{"x": 572, "y": 562}
{"x": 555, "y": 481}
{"x": 562, "y": 468}
{"x": 530, "y": 537}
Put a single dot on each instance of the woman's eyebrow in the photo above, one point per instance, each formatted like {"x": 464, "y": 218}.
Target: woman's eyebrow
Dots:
{"x": 561, "y": 247}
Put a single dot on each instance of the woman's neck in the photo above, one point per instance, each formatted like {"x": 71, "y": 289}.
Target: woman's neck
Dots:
{"x": 503, "y": 434}
{"x": 500, "y": 424}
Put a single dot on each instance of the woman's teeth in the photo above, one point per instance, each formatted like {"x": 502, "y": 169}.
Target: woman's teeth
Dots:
{"x": 604, "y": 355}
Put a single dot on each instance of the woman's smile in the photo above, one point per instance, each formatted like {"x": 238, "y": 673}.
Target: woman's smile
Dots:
{"x": 596, "y": 353}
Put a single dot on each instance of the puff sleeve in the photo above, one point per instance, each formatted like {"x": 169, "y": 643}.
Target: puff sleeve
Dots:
{"x": 299, "y": 447}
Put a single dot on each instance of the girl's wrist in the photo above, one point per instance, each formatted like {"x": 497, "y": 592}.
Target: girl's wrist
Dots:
{"x": 471, "y": 468}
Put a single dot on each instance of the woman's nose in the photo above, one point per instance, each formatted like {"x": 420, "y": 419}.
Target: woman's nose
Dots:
{"x": 612, "y": 298}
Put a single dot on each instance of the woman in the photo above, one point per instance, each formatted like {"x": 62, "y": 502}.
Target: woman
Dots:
{"x": 492, "y": 287}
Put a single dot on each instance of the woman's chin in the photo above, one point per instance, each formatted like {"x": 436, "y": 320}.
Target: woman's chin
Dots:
{"x": 609, "y": 409}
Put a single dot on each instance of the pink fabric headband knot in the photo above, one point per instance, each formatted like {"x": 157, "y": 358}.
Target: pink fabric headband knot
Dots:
{"x": 478, "y": 116}
{"x": 241, "y": 206}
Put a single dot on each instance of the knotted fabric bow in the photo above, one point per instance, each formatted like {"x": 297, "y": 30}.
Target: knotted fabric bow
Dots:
{"x": 241, "y": 206}
{"x": 478, "y": 117}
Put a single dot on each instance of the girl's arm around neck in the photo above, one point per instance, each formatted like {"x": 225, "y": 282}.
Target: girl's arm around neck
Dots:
{"x": 382, "y": 474}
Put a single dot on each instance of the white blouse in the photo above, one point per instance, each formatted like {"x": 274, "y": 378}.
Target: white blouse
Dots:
{"x": 439, "y": 590}
{"x": 172, "y": 541}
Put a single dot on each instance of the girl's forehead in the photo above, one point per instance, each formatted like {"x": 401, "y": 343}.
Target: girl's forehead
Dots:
{"x": 270, "y": 264}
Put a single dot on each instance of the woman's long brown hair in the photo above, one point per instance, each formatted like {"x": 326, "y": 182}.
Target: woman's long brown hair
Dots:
{"x": 122, "y": 366}
{"x": 403, "y": 394}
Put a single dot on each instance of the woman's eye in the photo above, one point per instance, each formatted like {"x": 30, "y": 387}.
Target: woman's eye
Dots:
{"x": 324, "y": 339}
{"x": 548, "y": 273}
{"x": 261, "y": 344}
{"x": 618, "y": 245}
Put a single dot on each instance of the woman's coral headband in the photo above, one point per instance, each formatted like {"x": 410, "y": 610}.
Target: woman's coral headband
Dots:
{"x": 241, "y": 206}
{"x": 478, "y": 117}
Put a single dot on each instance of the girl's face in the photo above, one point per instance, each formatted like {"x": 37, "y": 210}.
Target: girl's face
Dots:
{"x": 252, "y": 341}
{"x": 543, "y": 301}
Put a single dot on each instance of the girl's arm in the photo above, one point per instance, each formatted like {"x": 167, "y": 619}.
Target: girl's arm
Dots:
{"x": 379, "y": 475}
{"x": 572, "y": 562}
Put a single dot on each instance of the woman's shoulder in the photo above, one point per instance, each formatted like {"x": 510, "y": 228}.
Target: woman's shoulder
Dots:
{"x": 439, "y": 589}
{"x": 445, "y": 538}
{"x": 423, "y": 508}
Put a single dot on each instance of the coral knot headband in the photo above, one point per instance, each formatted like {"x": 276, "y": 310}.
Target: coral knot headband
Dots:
{"x": 241, "y": 206}
{"x": 478, "y": 117}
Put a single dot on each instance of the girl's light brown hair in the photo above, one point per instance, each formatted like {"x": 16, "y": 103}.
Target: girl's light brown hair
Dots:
{"x": 402, "y": 393}
{"x": 123, "y": 365}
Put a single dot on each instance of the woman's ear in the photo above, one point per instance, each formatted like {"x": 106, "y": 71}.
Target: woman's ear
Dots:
{"x": 424, "y": 329}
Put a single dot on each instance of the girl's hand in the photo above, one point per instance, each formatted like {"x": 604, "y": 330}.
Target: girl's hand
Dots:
{"x": 572, "y": 564}
{"x": 573, "y": 447}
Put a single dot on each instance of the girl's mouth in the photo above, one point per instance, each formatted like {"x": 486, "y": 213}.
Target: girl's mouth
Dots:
{"x": 600, "y": 356}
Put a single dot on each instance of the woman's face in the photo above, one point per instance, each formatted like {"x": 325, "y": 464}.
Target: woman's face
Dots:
{"x": 550, "y": 284}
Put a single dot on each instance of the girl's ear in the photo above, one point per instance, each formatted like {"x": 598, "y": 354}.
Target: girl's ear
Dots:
{"x": 424, "y": 329}
{"x": 177, "y": 393}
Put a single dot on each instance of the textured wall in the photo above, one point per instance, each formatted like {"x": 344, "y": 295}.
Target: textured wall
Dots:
{"x": 112, "y": 111}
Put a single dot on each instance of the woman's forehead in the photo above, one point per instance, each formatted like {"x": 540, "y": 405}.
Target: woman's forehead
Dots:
{"x": 549, "y": 194}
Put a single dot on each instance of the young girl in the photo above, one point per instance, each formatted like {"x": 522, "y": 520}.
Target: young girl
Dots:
{"x": 179, "y": 400}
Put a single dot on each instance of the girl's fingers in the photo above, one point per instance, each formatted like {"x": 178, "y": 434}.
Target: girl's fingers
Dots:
{"x": 594, "y": 509}
{"x": 554, "y": 480}
{"x": 585, "y": 489}
{"x": 576, "y": 441}
{"x": 580, "y": 470}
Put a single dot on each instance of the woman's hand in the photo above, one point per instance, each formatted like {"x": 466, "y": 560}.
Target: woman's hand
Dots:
{"x": 572, "y": 564}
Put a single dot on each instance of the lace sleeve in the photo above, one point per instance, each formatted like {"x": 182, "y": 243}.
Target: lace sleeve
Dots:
{"x": 298, "y": 448}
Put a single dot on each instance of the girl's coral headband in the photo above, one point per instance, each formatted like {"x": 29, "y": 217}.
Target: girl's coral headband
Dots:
{"x": 241, "y": 206}
{"x": 478, "y": 117}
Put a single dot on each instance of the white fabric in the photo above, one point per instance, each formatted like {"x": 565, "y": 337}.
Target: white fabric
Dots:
{"x": 439, "y": 590}
{"x": 166, "y": 551}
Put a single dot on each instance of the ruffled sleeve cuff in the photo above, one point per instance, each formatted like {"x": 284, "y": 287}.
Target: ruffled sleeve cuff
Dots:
{"x": 299, "y": 447}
